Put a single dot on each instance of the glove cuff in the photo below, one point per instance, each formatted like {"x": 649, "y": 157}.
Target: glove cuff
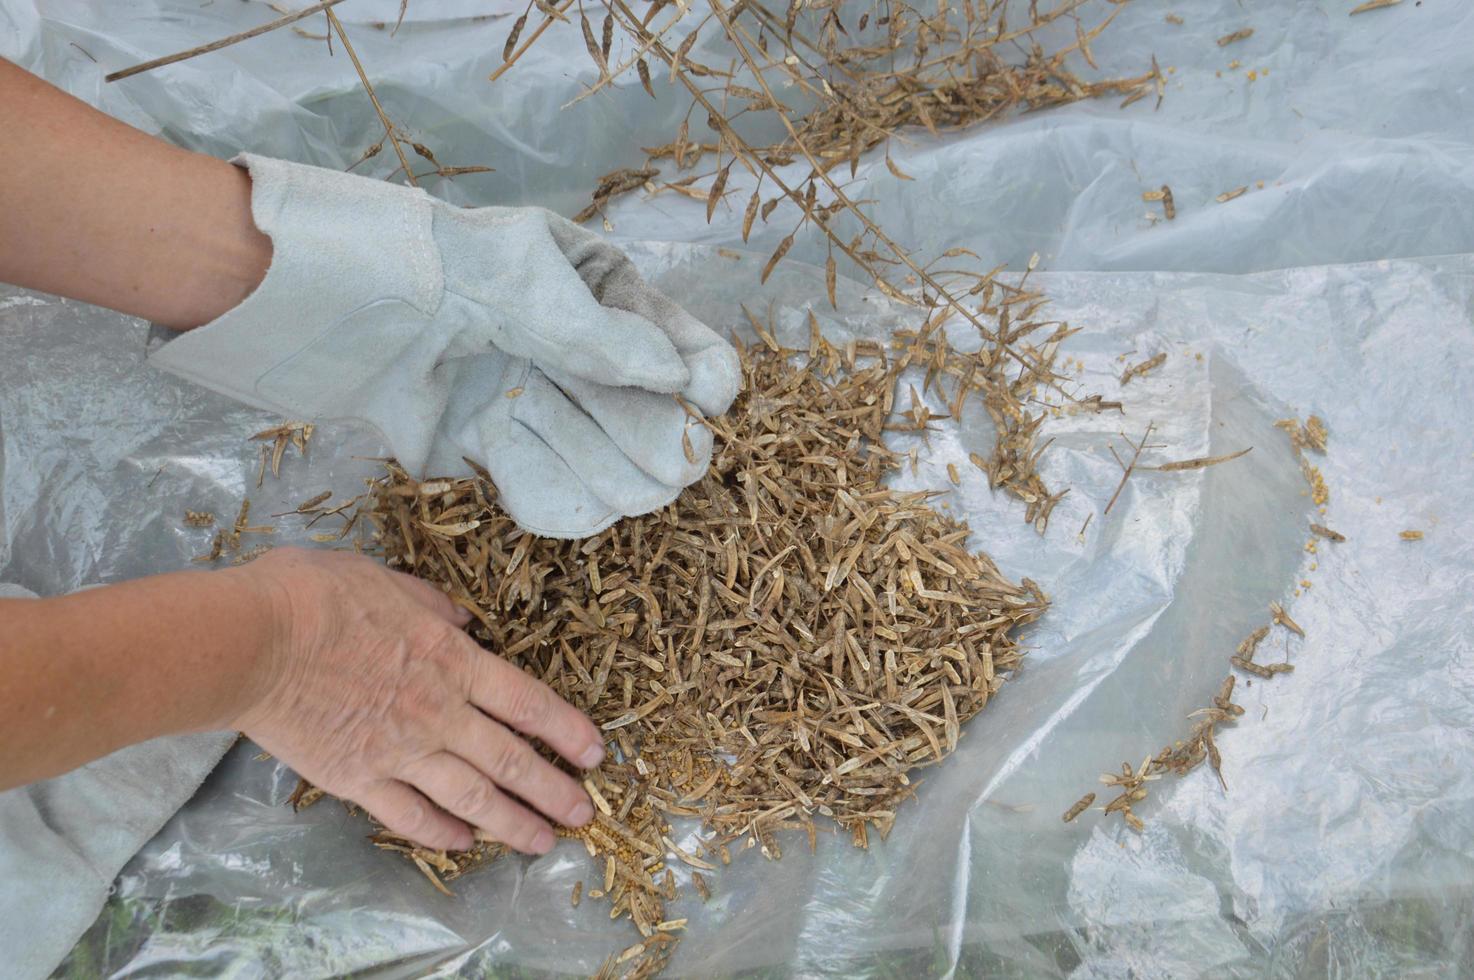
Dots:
{"x": 335, "y": 225}
{"x": 339, "y": 243}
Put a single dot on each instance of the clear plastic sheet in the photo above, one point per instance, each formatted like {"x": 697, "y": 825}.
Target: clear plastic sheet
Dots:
{"x": 1341, "y": 846}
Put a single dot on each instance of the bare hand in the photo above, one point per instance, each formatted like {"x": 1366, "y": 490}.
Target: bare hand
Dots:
{"x": 375, "y": 694}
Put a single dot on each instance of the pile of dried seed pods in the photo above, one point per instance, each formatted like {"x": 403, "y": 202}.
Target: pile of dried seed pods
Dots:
{"x": 789, "y": 641}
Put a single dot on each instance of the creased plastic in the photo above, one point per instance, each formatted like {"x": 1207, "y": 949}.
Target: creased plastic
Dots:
{"x": 1342, "y": 844}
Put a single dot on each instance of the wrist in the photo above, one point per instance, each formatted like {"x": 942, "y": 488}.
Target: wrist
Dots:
{"x": 228, "y": 255}
{"x": 255, "y": 655}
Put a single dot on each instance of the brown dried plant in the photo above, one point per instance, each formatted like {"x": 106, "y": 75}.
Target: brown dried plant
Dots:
{"x": 789, "y": 641}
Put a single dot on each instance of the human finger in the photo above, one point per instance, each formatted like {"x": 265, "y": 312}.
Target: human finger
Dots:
{"x": 431, "y": 598}
{"x": 516, "y": 768}
{"x": 469, "y": 794}
{"x": 526, "y": 704}
{"x": 408, "y": 813}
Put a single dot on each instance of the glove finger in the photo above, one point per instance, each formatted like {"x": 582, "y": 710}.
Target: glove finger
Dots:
{"x": 614, "y": 347}
{"x": 602, "y": 466}
{"x": 536, "y": 306}
{"x": 613, "y": 280}
{"x": 476, "y": 387}
{"x": 651, "y": 430}
{"x": 539, "y": 490}
{"x": 716, "y": 371}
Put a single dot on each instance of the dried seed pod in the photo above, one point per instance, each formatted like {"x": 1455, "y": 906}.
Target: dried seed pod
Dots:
{"x": 1283, "y": 619}
{"x": 1145, "y": 367}
{"x": 1081, "y": 805}
{"x": 1248, "y": 666}
{"x": 512, "y": 37}
{"x": 776, "y": 257}
{"x": 1251, "y": 643}
{"x": 643, "y": 70}
{"x": 1327, "y": 533}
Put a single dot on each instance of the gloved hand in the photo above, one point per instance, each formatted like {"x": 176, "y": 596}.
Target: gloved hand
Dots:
{"x": 509, "y": 336}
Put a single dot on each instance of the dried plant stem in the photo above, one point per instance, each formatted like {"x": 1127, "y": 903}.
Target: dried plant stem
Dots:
{"x": 528, "y": 42}
{"x": 737, "y": 34}
{"x": 750, "y": 159}
{"x": 645, "y": 45}
{"x": 1128, "y": 468}
{"x": 224, "y": 42}
{"x": 373, "y": 97}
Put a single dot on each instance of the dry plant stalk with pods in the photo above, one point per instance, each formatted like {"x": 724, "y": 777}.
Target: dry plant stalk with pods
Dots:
{"x": 857, "y": 91}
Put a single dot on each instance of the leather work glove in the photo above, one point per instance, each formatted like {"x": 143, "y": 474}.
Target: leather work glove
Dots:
{"x": 509, "y": 336}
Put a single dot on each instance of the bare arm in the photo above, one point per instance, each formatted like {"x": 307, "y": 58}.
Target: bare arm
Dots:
{"x": 359, "y": 678}
{"x": 95, "y": 210}
{"x": 89, "y": 673}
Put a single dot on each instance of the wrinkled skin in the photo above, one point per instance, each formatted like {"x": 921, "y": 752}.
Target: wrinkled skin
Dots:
{"x": 373, "y": 693}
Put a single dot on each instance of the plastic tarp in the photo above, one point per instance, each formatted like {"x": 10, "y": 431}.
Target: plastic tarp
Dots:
{"x": 1344, "y": 286}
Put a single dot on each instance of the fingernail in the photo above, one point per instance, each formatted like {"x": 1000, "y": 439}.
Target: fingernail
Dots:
{"x": 592, "y": 756}
{"x": 581, "y": 814}
{"x": 543, "y": 842}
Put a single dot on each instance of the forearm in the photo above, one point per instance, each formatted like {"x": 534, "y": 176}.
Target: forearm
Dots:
{"x": 85, "y": 674}
{"x": 97, "y": 211}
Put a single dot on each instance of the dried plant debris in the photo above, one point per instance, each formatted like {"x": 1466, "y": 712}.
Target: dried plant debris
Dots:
{"x": 789, "y": 641}
{"x": 1127, "y": 468}
{"x": 1164, "y": 194}
{"x": 852, "y": 91}
{"x": 1227, "y": 196}
{"x": 1201, "y": 462}
{"x": 1410, "y": 535}
{"x": 1374, "y": 5}
{"x": 1322, "y": 531}
{"x": 217, "y": 548}
{"x": 1243, "y": 33}
{"x": 227, "y": 541}
{"x": 297, "y": 434}
{"x": 1282, "y": 618}
{"x": 312, "y": 505}
{"x": 1145, "y": 367}
{"x": 1081, "y": 805}
{"x": 1182, "y": 756}
{"x": 250, "y": 554}
{"x": 1312, "y": 434}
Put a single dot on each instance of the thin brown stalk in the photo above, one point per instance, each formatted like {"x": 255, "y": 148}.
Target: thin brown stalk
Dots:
{"x": 834, "y": 189}
{"x": 528, "y": 42}
{"x": 373, "y": 97}
{"x": 224, "y": 42}
{"x": 1128, "y": 468}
